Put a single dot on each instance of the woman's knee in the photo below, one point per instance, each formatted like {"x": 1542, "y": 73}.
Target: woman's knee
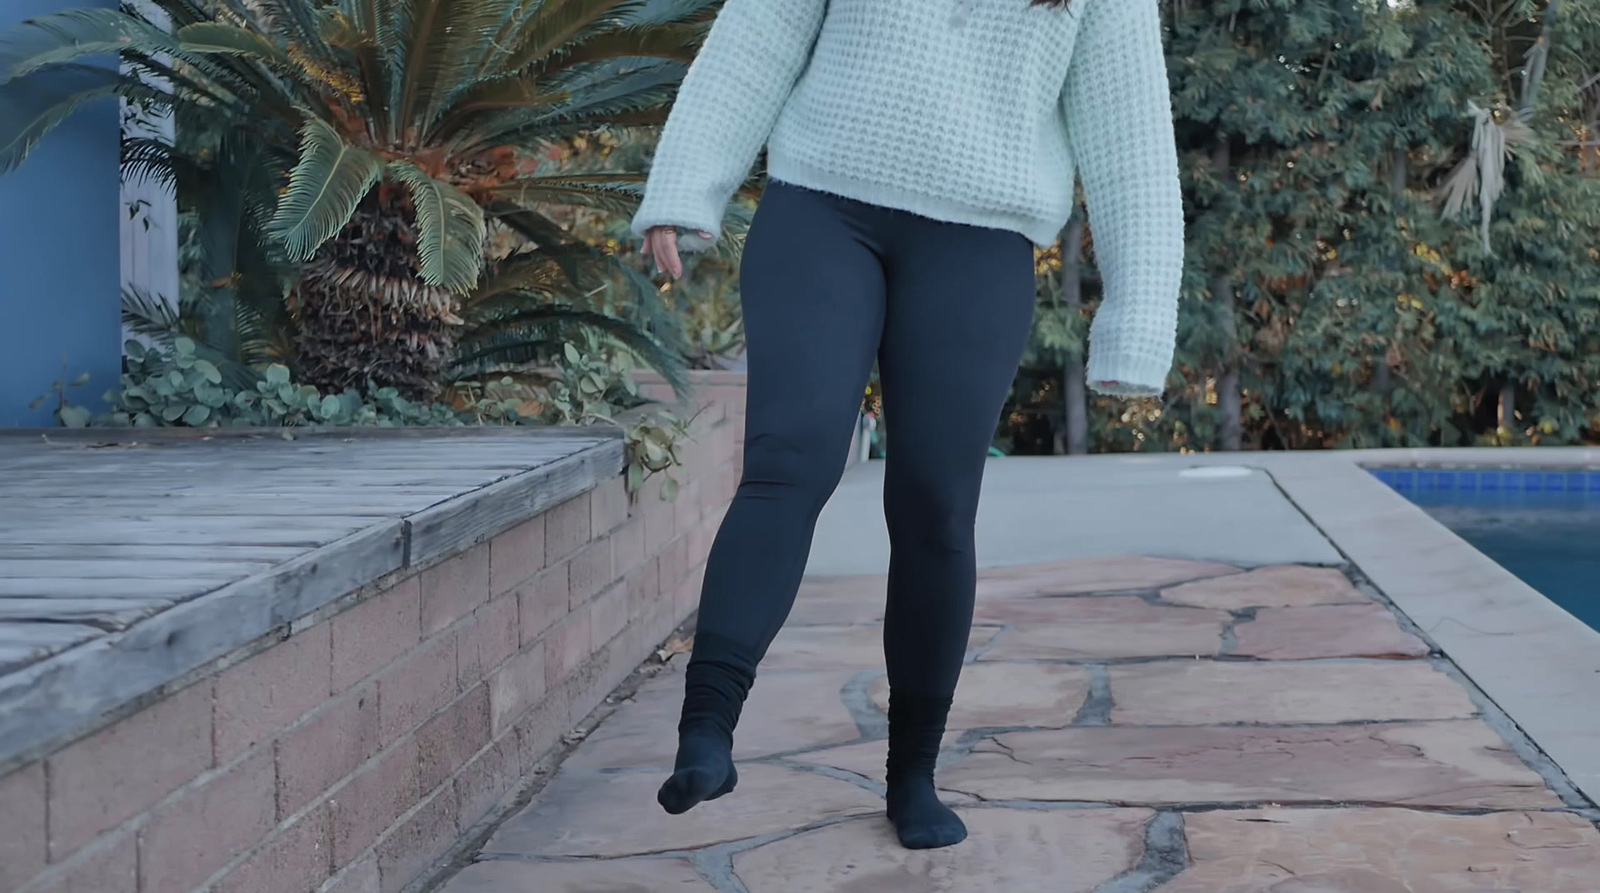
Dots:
{"x": 933, "y": 509}
{"x": 805, "y": 462}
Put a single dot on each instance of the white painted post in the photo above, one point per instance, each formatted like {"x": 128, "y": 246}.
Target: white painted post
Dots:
{"x": 149, "y": 211}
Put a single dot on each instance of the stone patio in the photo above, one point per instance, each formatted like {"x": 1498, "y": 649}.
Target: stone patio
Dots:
{"x": 1123, "y": 726}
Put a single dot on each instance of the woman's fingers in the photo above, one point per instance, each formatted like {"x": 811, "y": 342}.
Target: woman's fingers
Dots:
{"x": 661, "y": 242}
{"x": 667, "y": 254}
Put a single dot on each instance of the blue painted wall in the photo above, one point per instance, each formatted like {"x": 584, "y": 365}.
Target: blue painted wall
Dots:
{"x": 60, "y": 255}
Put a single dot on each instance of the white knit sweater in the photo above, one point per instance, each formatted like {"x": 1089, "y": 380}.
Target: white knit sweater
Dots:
{"x": 971, "y": 111}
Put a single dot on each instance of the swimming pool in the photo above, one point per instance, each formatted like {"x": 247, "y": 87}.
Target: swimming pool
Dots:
{"x": 1543, "y": 526}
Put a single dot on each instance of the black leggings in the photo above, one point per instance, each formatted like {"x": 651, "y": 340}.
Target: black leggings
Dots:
{"x": 828, "y": 284}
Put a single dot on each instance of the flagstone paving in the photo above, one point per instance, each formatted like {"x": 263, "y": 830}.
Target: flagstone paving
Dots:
{"x": 1123, "y": 726}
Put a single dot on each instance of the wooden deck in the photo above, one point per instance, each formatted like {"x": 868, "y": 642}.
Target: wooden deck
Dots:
{"x": 131, "y": 558}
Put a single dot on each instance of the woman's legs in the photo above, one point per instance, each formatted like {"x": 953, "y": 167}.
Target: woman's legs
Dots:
{"x": 827, "y": 283}
{"x": 959, "y": 309}
{"x": 812, "y": 287}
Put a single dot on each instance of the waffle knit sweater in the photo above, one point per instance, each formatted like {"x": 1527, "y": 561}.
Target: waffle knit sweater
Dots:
{"x": 978, "y": 112}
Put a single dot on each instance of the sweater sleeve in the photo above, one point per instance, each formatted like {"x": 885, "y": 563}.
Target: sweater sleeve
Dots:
{"x": 725, "y": 111}
{"x": 1118, "y": 108}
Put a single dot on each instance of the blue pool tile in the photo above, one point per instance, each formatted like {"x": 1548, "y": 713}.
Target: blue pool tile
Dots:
{"x": 1555, "y": 480}
{"x": 1489, "y": 480}
{"x": 1405, "y": 480}
{"x": 1428, "y": 480}
{"x": 1467, "y": 480}
{"x": 1574, "y": 480}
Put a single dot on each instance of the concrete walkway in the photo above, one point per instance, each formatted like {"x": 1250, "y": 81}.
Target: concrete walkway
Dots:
{"x": 1252, "y": 723}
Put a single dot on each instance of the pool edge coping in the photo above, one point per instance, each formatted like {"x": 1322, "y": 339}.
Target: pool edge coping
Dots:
{"x": 1534, "y": 660}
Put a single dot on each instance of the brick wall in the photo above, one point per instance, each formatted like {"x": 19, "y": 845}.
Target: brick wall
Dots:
{"x": 349, "y": 752}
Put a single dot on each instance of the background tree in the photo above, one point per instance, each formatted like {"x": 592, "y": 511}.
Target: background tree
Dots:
{"x": 388, "y": 141}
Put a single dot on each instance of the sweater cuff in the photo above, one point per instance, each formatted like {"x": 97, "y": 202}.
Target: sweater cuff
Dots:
{"x": 1135, "y": 373}
{"x": 689, "y": 217}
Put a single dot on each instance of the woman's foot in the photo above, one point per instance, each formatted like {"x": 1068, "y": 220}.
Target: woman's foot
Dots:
{"x": 703, "y": 771}
{"x": 920, "y": 820}
{"x": 916, "y": 726}
{"x": 716, "y": 683}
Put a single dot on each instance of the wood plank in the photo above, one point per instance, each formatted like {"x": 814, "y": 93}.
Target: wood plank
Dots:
{"x": 51, "y": 699}
{"x": 25, "y": 643}
{"x": 458, "y": 523}
{"x": 162, "y": 552}
{"x": 80, "y": 587}
{"x": 170, "y": 531}
{"x": 13, "y": 632}
{"x": 125, "y": 569}
{"x": 159, "y": 512}
{"x": 105, "y": 613}
{"x": 147, "y": 438}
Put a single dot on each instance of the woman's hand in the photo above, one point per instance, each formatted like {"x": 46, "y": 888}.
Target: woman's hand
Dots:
{"x": 661, "y": 243}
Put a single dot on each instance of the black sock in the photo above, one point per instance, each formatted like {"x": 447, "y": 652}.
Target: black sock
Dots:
{"x": 715, "y": 685}
{"x": 921, "y": 821}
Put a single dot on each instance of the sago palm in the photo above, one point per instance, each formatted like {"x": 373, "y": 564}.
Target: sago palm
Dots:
{"x": 392, "y": 136}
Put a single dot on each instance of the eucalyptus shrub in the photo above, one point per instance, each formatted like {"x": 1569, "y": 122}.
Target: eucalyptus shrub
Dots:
{"x": 179, "y": 388}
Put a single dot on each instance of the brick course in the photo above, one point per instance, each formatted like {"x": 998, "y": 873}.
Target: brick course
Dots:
{"x": 349, "y": 756}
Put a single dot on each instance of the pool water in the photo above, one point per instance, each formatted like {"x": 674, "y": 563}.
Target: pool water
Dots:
{"x": 1542, "y": 526}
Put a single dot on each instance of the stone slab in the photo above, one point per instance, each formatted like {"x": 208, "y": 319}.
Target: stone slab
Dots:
{"x": 1457, "y": 764}
{"x": 1213, "y": 692}
{"x": 1326, "y": 631}
{"x": 1007, "y": 851}
{"x": 610, "y": 876}
{"x": 839, "y": 600}
{"x": 1010, "y": 695}
{"x": 866, "y": 759}
{"x": 1099, "y": 628}
{"x": 785, "y": 711}
{"x": 1388, "y": 851}
{"x": 615, "y": 814}
{"x": 1088, "y": 575}
{"x": 1287, "y": 586}
{"x": 839, "y": 647}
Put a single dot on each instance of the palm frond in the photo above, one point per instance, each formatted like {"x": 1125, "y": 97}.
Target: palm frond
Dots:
{"x": 663, "y": 12}
{"x": 678, "y": 43}
{"x": 554, "y": 25}
{"x": 73, "y": 34}
{"x": 441, "y": 47}
{"x": 149, "y": 160}
{"x": 324, "y": 189}
{"x": 213, "y": 37}
{"x": 616, "y": 194}
{"x": 33, "y": 105}
{"x": 521, "y": 92}
{"x": 538, "y": 332}
{"x": 450, "y": 229}
{"x": 537, "y": 273}
{"x": 149, "y": 315}
{"x": 301, "y": 24}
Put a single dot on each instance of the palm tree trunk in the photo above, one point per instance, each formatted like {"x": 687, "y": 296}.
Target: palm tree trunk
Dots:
{"x": 1508, "y": 405}
{"x": 1229, "y": 396}
{"x": 366, "y": 316}
{"x": 1074, "y": 392}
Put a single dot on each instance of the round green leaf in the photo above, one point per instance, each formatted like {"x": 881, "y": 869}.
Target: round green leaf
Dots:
{"x": 75, "y": 416}
{"x": 197, "y": 415}
{"x": 210, "y": 371}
